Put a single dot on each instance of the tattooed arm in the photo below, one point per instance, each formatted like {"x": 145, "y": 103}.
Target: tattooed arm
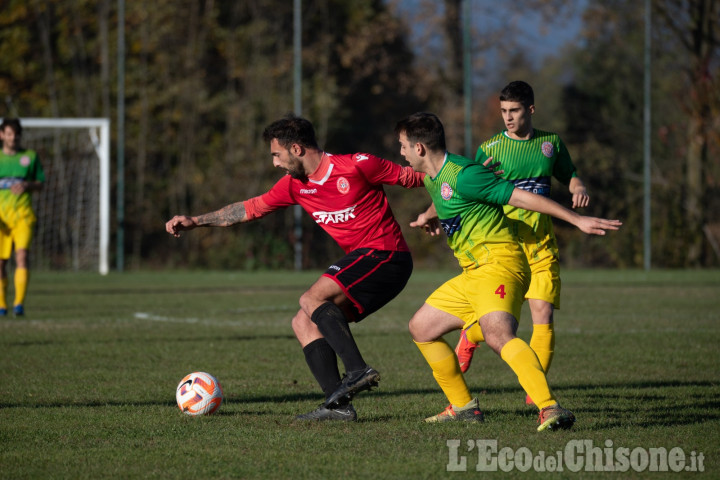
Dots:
{"x": 226, "y": 216}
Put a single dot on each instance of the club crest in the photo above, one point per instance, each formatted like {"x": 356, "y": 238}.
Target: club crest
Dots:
{"x": 343, "y": 185}
{"x": 446, "y": 191}
{"x": 548, "y": 149}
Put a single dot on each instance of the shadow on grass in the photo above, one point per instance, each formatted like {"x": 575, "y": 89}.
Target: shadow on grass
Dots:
{"x": 611, "y": 405}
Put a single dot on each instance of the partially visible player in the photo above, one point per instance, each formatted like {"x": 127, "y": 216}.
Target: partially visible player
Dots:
{"x": 488, "y": 295}
{"x": 344, "y": 195}
{"x": 529, "y": 159}
{"x": 20, "y": 174}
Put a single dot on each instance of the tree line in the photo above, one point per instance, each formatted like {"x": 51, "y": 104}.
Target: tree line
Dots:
{"x": 204, "y": 77}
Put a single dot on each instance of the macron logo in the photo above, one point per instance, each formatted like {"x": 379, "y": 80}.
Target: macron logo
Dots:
{"x": 308, "y": 191}
{"x": 360, "y": 157}
{"x": 340, "y": 216}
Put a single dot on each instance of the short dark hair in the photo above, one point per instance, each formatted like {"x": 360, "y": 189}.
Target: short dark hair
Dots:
{"x": 291, "y": 129}
{"x": 518, "y": 91}
{"x": 425, "y": 128}
{"x": 13, "y": 123}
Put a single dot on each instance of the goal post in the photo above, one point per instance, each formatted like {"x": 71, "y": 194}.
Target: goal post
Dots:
{"x": 73, "y": 208}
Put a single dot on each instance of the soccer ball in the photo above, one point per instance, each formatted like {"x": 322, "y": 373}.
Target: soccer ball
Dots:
{"x": 199, "y": 394}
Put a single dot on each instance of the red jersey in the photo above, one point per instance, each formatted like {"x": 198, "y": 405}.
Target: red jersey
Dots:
{"x": 345, "y": 196}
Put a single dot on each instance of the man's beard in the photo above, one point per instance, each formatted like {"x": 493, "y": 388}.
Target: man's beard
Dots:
{"x": 297, "y": 172}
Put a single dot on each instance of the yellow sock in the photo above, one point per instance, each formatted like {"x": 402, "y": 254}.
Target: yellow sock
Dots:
{"x": 21, "y": 283}
{"x": 543, "y": 344}
{"x": 3, "y": 292}
{"x": 531, "y": 376}
{"x": 446, "y": 371}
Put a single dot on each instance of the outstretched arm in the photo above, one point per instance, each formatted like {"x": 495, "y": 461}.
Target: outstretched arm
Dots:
{"x": 226, "y": 216}
{"x": 590, "y": 225}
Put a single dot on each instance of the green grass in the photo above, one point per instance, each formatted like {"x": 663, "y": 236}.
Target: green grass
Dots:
{"x": 89, "y": 375}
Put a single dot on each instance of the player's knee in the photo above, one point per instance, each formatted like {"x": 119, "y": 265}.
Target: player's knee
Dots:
{"x": 295, "y": 323}
{"x": 300, "y": 322}
{"x": 417, "y": 329}
{"x": 542, "y": 312}
{"x": 307, "y": 303}
{"x": 312, "y": 299}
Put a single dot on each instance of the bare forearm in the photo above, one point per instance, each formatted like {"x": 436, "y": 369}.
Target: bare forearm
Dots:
{"x": 226, "y": 216}
{"x": 589, "y": 225}
{"x": 537, "y": 203}
{"x": 576, "y": 185}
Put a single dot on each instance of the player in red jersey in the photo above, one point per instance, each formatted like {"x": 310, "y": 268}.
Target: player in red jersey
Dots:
{"x": 345, "y": 196}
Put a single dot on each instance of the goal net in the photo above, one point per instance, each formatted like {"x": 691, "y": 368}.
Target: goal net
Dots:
{"x": 73, "y": 208}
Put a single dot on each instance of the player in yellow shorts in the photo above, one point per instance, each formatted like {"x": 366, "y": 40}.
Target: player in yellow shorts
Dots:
{"x": 20, "y": 174}
{"x": 487, "y": 295}
{"x": 529, "y": 158}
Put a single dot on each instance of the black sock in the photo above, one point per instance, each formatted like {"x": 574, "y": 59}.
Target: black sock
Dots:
{"x": 334, "y": 326}
{"x": 322, "y": 361}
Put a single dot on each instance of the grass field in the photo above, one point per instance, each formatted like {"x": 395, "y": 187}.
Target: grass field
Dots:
{"x": 89, "y": 375}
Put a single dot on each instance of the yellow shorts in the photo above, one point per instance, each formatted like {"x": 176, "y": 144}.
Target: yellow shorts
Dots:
{"x": 545, "y": 272}
{"x": 20, "y": 235}
{"x": 490, "y": 288}
{"x": 540, "y": 247}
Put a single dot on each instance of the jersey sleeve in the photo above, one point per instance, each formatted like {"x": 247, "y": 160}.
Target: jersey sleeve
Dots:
{"x": 36, "y": 171}
{"x": 563, "y": 170}
{"x": 276, "y": 198}
{"x": 477, "y": 182}
{"x": 380, "y": 171}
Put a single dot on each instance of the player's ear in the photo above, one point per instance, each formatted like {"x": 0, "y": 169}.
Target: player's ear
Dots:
{"x": 297, "y": 150}
{"x": 420, "y": 149}
{"x": 531, "y": 109}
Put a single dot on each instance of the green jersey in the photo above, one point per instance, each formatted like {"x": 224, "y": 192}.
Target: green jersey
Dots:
{"x": 530, "y": 165}
{"x": 24, "y": 165}
{"x": 468, "y": 198}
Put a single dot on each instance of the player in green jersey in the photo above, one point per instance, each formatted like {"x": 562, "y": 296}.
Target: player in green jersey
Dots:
{"x": 487, "y": 296}
{"x": 20, "y": 174}
{"x": 530, "y": 158}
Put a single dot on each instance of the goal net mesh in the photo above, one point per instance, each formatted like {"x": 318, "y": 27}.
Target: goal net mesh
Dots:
{"x": 67, "y": 208}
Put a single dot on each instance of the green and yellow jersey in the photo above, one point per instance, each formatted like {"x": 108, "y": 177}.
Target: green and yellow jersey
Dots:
{"x": 468, "y": 198}
{"x": 530, "y": 165}
{"x": 24, "y": 165}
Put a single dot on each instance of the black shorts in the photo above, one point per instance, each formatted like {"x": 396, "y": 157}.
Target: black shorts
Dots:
{"x": 371, "y": 278}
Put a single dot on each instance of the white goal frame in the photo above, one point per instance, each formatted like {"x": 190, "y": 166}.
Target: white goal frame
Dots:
{"x": 101, "y": 144}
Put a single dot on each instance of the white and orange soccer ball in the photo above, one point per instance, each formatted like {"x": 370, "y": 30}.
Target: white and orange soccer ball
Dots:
{"x": 199, "y": 394}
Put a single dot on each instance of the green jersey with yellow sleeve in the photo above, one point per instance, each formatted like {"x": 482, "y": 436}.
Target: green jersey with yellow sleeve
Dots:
{"x": 468, "y": 198}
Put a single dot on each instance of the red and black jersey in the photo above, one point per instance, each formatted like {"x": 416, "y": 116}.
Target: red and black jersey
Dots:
{"x": 345, "y": 197}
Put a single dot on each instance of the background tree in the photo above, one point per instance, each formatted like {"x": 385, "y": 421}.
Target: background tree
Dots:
{"x": 203, "y": 77}
{"x": 694, "y": 28}
{"x": 604, "y": 122}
